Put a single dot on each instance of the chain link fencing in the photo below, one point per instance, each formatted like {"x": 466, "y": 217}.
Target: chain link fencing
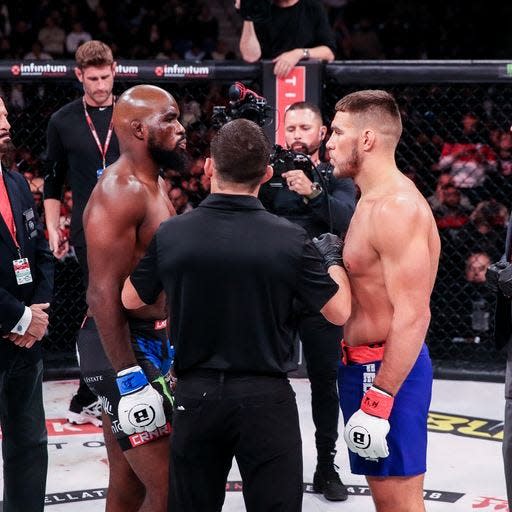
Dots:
{"x": 456, "y": 146}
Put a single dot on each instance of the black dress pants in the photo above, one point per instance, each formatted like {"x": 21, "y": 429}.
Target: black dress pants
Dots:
{"x": 24, "y": 441}
{"x": 321, "y": 345}
{"x": 218, "y": 416}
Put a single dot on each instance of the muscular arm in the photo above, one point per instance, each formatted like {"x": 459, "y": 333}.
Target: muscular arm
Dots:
{"x": 110, "y": 221}
{"x": 406, "y": 265}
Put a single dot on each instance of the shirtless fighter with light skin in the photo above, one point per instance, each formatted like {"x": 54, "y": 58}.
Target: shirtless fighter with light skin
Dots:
{"x": 125, "y": 209}
{"x": 391, "y": 256}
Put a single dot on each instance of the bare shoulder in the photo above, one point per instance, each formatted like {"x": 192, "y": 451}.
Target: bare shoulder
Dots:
{"x": 118, "y": 192}
{"x": 400, "y": 216}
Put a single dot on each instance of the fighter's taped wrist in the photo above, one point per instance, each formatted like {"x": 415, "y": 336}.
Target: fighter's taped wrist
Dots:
{"x": 377, "y": 402}
{"x": 130, "y": 380}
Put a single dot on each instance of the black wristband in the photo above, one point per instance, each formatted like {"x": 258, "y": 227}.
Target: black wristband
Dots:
{"x": 383, "y": 390}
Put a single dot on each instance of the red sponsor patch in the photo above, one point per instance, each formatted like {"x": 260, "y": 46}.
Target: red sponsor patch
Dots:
{"x": 146, "y": 437}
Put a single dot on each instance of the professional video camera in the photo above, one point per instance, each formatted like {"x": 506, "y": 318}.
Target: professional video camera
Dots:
{"x": 283, "y": 160}
{"x": 246, "y": 104}
{"x": 499, "y": 277}
{"x": 243, "y": 103}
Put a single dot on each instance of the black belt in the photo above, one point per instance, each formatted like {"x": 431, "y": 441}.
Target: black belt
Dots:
{"x": 227, "y": 374}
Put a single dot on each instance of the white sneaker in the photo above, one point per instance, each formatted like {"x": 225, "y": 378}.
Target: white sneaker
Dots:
{"x": 87, "y": 414}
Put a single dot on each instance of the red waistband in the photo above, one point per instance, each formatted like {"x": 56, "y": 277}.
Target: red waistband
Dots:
{"x": 362, "y": 354}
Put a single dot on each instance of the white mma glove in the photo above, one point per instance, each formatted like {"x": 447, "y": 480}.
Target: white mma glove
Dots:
{"x": 366, "y": 430}
{"x": 140, "y": 408}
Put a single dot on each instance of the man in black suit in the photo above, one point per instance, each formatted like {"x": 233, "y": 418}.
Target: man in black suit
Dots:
{"x": 26, "y": 285}
{"x": 502, "y": 334}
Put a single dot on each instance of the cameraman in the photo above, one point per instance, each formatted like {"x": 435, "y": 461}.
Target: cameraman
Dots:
{"x": 318, "y": 203}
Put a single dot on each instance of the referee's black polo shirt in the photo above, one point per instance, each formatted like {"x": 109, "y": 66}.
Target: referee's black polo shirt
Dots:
{"x": 231, "y": 271}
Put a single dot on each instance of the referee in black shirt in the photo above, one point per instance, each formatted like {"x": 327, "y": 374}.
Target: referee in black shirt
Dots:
{"x": 231, "y": 271}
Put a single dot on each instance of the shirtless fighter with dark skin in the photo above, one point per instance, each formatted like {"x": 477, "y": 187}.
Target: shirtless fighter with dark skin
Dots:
{"x": 125, "y": 209}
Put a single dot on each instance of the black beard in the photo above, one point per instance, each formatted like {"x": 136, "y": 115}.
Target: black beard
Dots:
{"x": 167, "y": 158}
{"x": 303, "y": 148}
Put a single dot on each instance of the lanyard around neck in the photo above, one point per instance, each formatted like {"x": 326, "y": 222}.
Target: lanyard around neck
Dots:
{"x": 103, "y": 148}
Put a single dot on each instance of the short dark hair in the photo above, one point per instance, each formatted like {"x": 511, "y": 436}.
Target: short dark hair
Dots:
{"x": 374, "y": 102}
{"x": 241, "y": 152}
{"x": 304, "y": 105}
{"x": 93, "y": 53}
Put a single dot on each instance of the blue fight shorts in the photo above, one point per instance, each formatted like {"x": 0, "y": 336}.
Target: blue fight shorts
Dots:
{"x": 407, "y": 438}
{"x": 154, "y": 355}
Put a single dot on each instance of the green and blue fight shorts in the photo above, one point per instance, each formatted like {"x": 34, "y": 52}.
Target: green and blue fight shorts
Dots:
{"x": 154, "y": 355}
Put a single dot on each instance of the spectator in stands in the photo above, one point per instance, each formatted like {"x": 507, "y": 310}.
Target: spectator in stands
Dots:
{"x": 76, "y": 37}
{"x": 207, "y": 26}
{"x": 464, "y": 303}
{"x": 193, "y": 188}
{"x": 21, "y": 37}
{"x": 205, "y": 183}
{"x": 5, "y": 48}
{"x": 16, "y": 98}
{"x": 195, "y": 52}
{"x": 468, "y": 158}
{"x": 5, "y": 20}
{"x": 52, "y": 37}
{"x": 179, "y": 199}
{"x": 485, "y": 229}
{"x": 436, "y": 200}
{"x": 343, "y": 38}
{"x": 66, "y": 210}
{"x": 190, "y": 111}
{"x": 501, "y": 180}
{"x": 37, "y": 52}
{"x": 477, "y": 264}
{"x": 167, "y": 50}
{"x": 451, "y": 214}
{"x": 103, "y": 32}
{"x": 365, "y": 42}
{"x": 221, "y": 51}
{"x": 292, "y": 30}
{"x": 35, "y": 182}
{"x": 505, "y": 153}
{"x": 477, "y": 299}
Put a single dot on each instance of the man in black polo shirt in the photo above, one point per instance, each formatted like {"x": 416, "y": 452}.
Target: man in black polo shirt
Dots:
{"x": 231, "y": 271}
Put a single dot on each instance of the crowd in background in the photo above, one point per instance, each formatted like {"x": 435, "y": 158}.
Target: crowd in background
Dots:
{"x": 134, "y": 30}
{"x": 175, "y": 29}
{"x": 462, "y": 164}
